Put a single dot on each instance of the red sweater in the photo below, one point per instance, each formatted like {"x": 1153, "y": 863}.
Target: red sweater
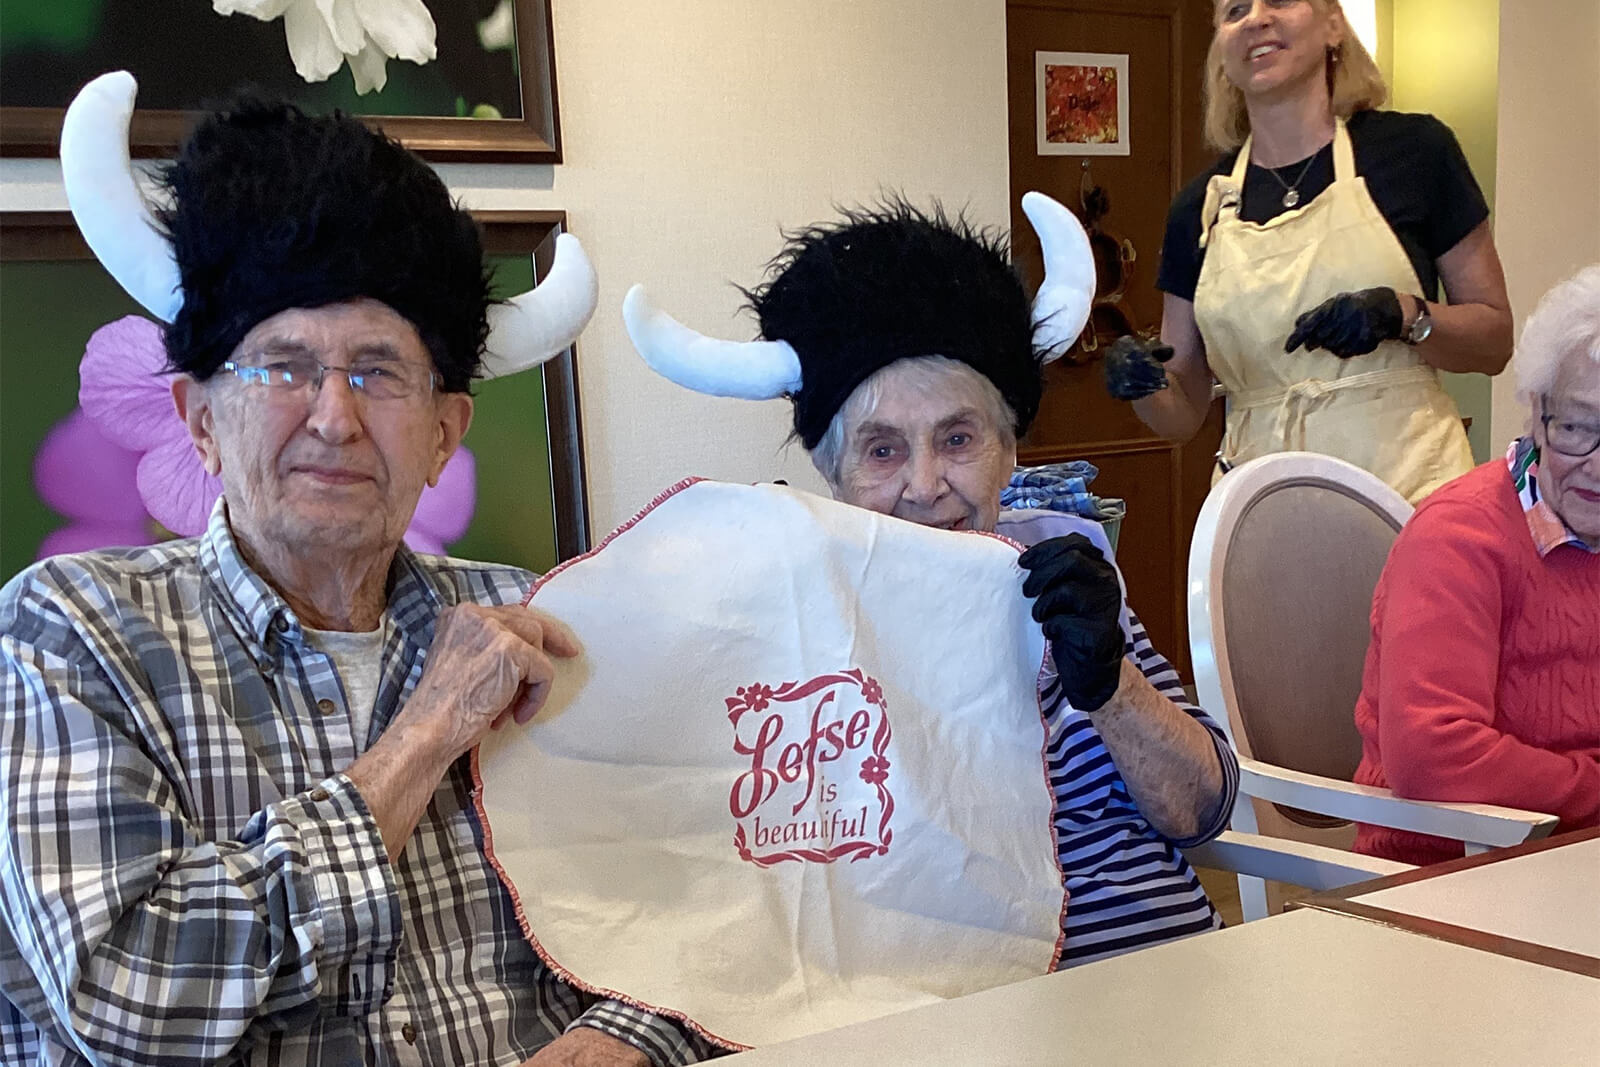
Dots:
{"x": 1482, "y": 682}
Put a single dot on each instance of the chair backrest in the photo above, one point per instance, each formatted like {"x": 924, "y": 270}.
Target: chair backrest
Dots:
{"x": 1285, "y": 557}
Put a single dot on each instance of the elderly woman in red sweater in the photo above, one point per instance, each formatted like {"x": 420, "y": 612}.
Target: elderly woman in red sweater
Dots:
{"x": 1482, "y": 682}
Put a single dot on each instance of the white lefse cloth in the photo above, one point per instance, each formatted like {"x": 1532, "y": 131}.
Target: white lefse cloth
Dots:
{"x": 796, "y": 777}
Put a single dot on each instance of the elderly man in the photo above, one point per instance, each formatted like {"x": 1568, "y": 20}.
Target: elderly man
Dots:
{"x": 1482, "y": 680}
{"x": 908, "y": 348}
{"x": 236, "y": 822}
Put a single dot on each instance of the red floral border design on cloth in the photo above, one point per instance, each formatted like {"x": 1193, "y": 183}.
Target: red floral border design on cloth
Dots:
{"x": 874, "y": 769}
{"x": 564, "y": 973}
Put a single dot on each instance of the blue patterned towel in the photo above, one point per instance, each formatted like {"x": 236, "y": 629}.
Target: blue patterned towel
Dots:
{"x": 1060, "y": 487}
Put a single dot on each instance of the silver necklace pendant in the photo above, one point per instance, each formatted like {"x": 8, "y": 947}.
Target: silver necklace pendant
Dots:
{"x": 1291, "y": 198}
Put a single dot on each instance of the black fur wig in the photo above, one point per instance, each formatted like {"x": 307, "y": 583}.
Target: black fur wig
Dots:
{"x": 274, "y": 209}
{"x": 888, "y": 283}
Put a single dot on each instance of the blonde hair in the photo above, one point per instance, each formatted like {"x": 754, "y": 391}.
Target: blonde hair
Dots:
{"x": 1354, "y": 84}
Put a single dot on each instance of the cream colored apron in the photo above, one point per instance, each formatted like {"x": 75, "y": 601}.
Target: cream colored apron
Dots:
{"x": 1384, "y": 411}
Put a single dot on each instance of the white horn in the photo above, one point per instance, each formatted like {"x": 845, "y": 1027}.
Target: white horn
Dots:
{"x": 749, "y": 370}
{"x": 544, "y": 321}
{"x": 105, "y": 199}
{"x": 1061, "y": 307}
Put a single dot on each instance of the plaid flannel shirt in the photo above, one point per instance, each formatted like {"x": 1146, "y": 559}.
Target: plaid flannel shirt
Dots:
{"x": 185, "y": 875}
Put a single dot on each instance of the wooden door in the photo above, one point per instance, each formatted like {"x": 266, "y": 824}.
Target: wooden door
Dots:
{"x": 1165, "y": 42}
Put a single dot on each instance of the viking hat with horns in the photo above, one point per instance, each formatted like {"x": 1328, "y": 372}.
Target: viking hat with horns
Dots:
{"x": 273, "y": 209}
{"x": 848, "y": 299}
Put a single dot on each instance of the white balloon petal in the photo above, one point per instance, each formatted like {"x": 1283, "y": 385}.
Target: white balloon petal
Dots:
{"x": 401, "y": 28}
{"x": 343, "y": 23}
{"x": 105, "y": 199}
{"x": 315, "y": 53}
{"x": 265, "y": 10}
{"x": 748, "y": 370}
{"x": 370, "y": 69}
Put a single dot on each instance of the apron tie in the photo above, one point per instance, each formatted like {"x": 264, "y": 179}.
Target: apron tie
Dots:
{"x": 1300, "y": 399}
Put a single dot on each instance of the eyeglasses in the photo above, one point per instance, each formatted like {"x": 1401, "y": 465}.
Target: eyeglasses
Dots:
{"x": 294, "y": 375}
{"x": 1568, "y": 435}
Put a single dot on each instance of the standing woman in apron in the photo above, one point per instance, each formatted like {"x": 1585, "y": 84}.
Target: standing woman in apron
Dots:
{"x": 1301, "y": 271}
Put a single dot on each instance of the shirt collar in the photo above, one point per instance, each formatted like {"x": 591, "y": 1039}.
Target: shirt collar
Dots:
{"x": 1549, "y": 532}
{"x": 414, "y": 602}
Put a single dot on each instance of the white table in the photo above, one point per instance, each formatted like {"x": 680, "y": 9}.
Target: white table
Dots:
{"x": 1538, "y": 902}
{"x": 1308, "y": 987}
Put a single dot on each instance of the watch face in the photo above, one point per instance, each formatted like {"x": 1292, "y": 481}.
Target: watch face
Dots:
{"x": 1421, "y": 329}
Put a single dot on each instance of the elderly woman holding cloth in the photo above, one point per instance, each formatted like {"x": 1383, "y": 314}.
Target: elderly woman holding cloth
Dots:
{"x": 1482, "y": 681}
{"x": 910, "y": 352}
{"x": 1301, "y": 270}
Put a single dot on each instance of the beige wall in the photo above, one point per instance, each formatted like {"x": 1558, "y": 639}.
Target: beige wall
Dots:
{"x": 693, "y": 130}
{"x": 1442, "y": 59}
{"x": 1548, "y": 182}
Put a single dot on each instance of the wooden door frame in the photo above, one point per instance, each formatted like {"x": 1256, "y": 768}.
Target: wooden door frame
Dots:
{"x": 1172, "y": 11}
{"x": 1187, "y": 30}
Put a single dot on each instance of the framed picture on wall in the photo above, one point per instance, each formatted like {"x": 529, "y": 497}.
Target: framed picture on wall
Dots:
{"x": 515, "y": 493}
{"x": 1081, "y": 103}
{"x": 487, "y": 95}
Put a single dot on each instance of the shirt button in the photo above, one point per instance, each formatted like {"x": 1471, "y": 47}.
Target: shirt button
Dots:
{"x": 266, "y": 666}
{"x": 280, "y": 624}
{"x": 409, "y": 1032}
{"x": 327, "y": 707}
{"x": 319, "y": 795}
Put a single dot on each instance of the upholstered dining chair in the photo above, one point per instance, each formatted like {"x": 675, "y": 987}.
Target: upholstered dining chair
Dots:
{"x": 1310, "y": 866}
{"x": 1285, "y": 557}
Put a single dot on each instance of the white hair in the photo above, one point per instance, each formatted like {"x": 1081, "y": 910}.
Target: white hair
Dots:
{"x": 928, "y": 375}
{"x": 1565, "y": 326}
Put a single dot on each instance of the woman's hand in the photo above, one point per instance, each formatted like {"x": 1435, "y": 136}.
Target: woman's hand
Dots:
{"x": 1077, "y": 601}
{"x": 1350, "y": 324}
{"x": 1135, "y": 368}
{"x": 1178, "y": 411}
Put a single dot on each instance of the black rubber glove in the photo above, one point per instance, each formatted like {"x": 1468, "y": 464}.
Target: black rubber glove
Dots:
{"x": 1078, "y": 603}
{"x": 1350, "y": 324}
{"x": 1133, "y": 367}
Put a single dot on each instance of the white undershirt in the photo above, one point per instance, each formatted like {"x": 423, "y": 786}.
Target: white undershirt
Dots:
{"x": 358, "y": 662}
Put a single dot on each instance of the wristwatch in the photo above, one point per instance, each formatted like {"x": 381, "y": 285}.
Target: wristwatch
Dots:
{"x": 1421, "y": 326}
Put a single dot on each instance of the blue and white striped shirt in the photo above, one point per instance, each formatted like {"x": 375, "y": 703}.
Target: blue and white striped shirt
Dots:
{"x": 1128, "y": 886}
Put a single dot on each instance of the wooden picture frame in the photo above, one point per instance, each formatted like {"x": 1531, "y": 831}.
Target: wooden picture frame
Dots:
{"x": 52, "y": 235}
{"x": 533, "y": 138}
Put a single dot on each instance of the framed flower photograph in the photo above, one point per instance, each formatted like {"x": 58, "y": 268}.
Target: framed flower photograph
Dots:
{"x": 1082, "y": 103}
{"x": 455, "y": 80}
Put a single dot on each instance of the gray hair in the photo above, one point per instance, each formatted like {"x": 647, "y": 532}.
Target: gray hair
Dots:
{"x": 1564, "y": 326}
{"x": 928, "y": 375}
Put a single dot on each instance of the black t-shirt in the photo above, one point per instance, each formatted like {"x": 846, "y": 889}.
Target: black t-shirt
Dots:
{"x": 1415, "y": 171}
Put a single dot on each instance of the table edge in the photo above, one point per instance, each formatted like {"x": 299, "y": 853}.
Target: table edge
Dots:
{"x": 1340, "y": 902}
{"x": 1465, "y": 863}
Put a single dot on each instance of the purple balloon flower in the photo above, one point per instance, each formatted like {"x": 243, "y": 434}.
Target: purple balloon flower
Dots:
{"x": 90, "y": 480}
{"x": 123, "y": 386}
{"x": 126, "y": 395}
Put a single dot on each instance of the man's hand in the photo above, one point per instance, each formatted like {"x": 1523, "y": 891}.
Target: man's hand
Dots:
{"x": 1350, "y": 324}
{"x": 1078, "y": 603}
{"x": 584, "y": 1046}
{"x": 486, "y": 665}
{"x": 1134, "y": 368}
